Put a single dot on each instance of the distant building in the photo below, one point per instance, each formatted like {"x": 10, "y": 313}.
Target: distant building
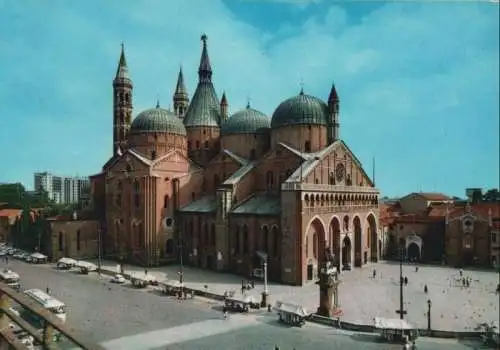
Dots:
{"x": 60, "y": 189}
{"x": 432, "y": 227}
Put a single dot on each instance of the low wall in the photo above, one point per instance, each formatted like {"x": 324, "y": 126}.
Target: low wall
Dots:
{"x": 434, "y": 333}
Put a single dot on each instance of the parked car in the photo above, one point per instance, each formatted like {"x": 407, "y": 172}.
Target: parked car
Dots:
{"x": 66, "y": 263}
{"x": 119, "y": 279}
{"x": 38, "y": 258}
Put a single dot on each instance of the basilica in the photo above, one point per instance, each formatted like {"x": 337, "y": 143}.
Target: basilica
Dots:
{"x": 230, "y": 192}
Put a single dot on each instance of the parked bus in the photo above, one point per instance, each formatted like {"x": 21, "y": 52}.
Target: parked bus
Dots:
{"x": 10, "y": 278}
{"x": 55, "y": 306}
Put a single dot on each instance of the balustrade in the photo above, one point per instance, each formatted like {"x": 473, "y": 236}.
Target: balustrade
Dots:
{"x": 326, "y": 209}
{"x": 297, "y": 186}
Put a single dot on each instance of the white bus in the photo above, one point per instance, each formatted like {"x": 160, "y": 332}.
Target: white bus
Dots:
{"x": 10, "y": 278}
{"x": 48, "y": 302}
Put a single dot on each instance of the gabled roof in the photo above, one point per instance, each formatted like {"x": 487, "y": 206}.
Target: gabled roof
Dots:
{"x": 311, "y": 160}
{"x": 237, "y": 158}
{"x": 239, "y": 174}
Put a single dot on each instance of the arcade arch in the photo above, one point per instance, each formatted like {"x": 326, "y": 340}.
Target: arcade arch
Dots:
{"x": 358, "y": 242}
{"x": 371, "y": 227}
{"x": 315, "y": 245}
{"x": 346, "y": 251}
{"x": 334, "y": 239}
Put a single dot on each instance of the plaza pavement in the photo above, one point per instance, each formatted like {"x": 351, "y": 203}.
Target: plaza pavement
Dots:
{"x": 362, "y": 297}
{"x": 121, "y": 318}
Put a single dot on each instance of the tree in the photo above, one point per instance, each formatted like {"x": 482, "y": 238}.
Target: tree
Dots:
{"x": 492, "y": 195}
{"x": 12, "y": 194}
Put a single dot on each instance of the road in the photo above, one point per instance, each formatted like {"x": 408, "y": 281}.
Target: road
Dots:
{"x": 124, "y": 318}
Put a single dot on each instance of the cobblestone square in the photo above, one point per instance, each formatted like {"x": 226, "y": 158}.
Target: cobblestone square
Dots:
{"x": 363, "y": 297}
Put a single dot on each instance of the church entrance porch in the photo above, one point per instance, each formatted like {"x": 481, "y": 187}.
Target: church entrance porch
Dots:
{"x": 334, "y": 241}
{"x": 413, "y": 252}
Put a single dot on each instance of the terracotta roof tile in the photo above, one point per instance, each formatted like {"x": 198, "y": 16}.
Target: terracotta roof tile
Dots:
{"x": 481, "y": 209}
{"x": 433, "y": 196}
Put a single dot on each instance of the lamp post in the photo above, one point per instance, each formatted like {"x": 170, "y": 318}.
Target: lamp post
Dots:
{"x": 265, "y": 293}
{"x": 429, "y": 304}
{"x": 401, "y": 310}
{"x": 99, "y": 243}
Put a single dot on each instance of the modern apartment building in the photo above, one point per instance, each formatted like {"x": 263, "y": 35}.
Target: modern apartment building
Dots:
{"x": 61, "y": 189}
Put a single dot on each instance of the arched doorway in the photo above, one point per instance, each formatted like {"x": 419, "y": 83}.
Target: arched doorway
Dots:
{"x": 413, "y": 247}
{"x": 315, "y": 244}
{"x": 358, "y": 242}
{"x": 413, "y": 252}
{"x": 372, "y": 237}
{"x": 346, "y": 251}
{"x": 334, "y": 240}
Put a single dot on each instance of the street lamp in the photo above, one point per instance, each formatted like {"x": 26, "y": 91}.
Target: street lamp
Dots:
{"x": 401, "y": 310}
{"x": 265, "y": 293}
{"x": 429, "y": 304}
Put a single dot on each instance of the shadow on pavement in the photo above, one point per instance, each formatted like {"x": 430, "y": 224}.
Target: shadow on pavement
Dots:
{"x": 367, "y": 338}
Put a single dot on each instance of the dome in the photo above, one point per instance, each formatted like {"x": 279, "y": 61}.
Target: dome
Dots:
{"x": 157, "y": 120}
{"x": 246, "y": 121}
{"x": 300, "y": 109}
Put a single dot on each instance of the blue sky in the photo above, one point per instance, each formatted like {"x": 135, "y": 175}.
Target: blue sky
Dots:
{"x": 418, "y": 81}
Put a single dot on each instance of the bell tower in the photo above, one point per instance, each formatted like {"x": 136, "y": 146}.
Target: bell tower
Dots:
{"x": 333, "y": 116}
{"x": 122, "y": 105}
{"x": 181, "y": 97}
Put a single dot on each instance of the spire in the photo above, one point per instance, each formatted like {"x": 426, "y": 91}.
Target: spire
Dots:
{"x": 301, "y": 87}
{"x": 205, "y": 70}
{"x": 334, "y": 97}
{"x": 122, "y": 70}
{"x": 223, "y": 100}
{"x": 180, "y": 89}
{"x": 157, "y": 103}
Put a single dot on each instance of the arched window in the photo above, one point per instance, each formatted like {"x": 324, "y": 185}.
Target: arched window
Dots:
{"x": 61, "y": 246}
{"x": 237, "y": 240}
{"x": 331, "y": 179}
{"x": 78, "y": 240}
{"x": 166, "y": 201}
{"x": 216, "y": 181}
{"x": 245, "y": 239}
{"x": 212, "y": 234}
{"x": 307, "y": 146}
{"x": 346, "y": 223}
{"x": 348, "y": 180}
{"x": 275, "y": 241}
{"x": 122, "y": 117}
{"x": 265, "y": 239}
{"x": 121, "y": 97}
{"x": 127, "y": 98}
{"x": 269, "y": 180}
{"x": 252, "y": 154}
{"x": 206, "y": 144}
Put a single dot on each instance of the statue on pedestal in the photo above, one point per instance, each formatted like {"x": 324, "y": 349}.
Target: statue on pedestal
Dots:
{"x": 328, "y": 285}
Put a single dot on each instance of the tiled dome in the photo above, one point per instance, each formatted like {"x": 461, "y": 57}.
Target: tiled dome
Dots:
{"x": 158, "y": 120}
{"x": 299, "y": 110}
{"x": 246, "y": 121}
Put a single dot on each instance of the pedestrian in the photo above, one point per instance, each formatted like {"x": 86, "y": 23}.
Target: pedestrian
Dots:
{"x": 253, "y": 284}
{"x": 416, "y": 268}
{"x": 47, "y": 290}
{"x": 268, "y": 307}
{"x": 7, "y": 260}
{"x": 426, "y": 290}
{"x": 374, "y": 273}
{"x": 413, "y": 345}
{"x": 242, "y": 289}
{"x": 406, "y": 281}
{"x": 145, "y": 271}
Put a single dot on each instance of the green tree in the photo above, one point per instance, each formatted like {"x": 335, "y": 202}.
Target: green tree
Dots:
{"x": 492, "y": 195}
